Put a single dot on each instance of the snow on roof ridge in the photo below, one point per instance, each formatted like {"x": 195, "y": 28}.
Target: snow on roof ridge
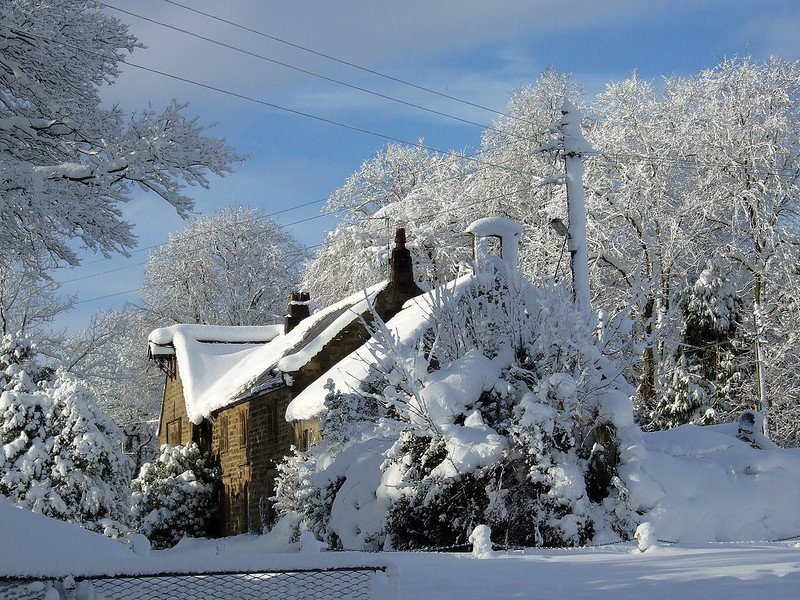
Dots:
{"x": 296, "y": 360}
{"x": 216, "y": 333}
{"x": 237, "y": 383}
{"x": 348, "y": 372}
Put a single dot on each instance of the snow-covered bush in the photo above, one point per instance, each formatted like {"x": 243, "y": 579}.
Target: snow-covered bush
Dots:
{"x": 175, "y": 496}
{"x": 61, "y": 456}
{"x": 501, "y": 410}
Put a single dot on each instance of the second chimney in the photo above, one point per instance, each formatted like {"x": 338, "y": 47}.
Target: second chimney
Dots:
{"x": 298, "y": 310}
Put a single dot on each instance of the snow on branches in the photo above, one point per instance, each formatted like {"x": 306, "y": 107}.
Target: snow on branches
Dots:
{"x": 67, "y": 163}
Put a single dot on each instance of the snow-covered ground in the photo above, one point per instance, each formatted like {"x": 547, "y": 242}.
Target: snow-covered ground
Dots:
{"x": 33, "y": 544}
{"x": 702, "y": 486}
{"x": 707, "y": 572}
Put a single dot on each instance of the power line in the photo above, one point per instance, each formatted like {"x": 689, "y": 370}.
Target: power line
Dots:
{"x": 323, "y": 119}
{"x": 106, "y": 296}
{"x": 101, "y": 273}
{"x": 641, "y": 159}
{"x": 342, "y": 61}
{"x": 154, "y": 246}
{"x": 476, "y": 202}
{"x": 258, "y": 219}
{"x": 138, "y": 289}
{"x": 279, "y": 107}
{"x": 262, "y": 217}
{"x": 683, "y": 162}
{"x": 306, "y": 71}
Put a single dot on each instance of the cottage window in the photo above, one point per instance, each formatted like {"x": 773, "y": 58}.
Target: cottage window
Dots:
{"x": 272, "y": 420}
{"x": 223, "y": 433}
{"x": 243, "y": 422}
{"x": 174, "y": 432}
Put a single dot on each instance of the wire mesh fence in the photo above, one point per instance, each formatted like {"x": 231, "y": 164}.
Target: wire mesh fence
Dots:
{"x": 363, "y": 583}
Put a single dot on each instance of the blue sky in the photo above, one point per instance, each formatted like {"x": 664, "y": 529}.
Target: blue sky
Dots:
{"x": 472, "y": 49}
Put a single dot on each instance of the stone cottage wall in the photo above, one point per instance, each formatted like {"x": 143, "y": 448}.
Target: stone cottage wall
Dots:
{"x": 248, "y": 440}
{"x": 174, "y": 427}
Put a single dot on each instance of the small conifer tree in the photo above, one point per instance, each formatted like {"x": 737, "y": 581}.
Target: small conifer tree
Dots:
{"x": 174, "y": 497}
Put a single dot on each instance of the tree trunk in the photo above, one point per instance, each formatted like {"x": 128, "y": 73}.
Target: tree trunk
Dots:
{"x": 647, "y": 386}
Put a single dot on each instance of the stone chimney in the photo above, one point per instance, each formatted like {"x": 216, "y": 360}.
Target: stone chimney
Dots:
{"x": 298, "y": 310}
{"x": 401, "y": 267}
{"x": 401, "y": 286}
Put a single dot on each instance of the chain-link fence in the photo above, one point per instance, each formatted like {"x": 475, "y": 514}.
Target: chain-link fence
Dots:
{"x": 365, "y": 583}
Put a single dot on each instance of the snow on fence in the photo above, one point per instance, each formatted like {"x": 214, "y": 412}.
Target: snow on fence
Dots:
{"x": 361, "y": 583}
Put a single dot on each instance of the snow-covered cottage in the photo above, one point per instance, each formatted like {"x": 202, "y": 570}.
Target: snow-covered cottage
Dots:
{"x": 228, "y": 388}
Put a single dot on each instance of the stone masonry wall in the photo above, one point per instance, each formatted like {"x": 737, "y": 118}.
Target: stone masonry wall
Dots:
{"x": 248, "y": 440}
{"x": 174, "y": 419}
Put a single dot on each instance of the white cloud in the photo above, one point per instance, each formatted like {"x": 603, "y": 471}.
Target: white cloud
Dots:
{"x": 381, "y": 34}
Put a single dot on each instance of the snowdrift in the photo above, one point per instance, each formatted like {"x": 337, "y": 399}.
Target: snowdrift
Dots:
{"x": 32, "y": 544}
{"x": 700, "y": 484}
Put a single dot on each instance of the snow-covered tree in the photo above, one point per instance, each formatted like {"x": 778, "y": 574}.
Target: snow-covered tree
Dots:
{"x": 703, "y": 380}
{"x": 747, "y": 138}
{"x": 66, "y": 162}
{"x": 435, "y": 197}
{"x": 645, "y": 218}
{"x": 691, "y": 168}
{"x": 109, "y": 356}
{"x": 398, "y": 187}
{"x": 175, "y": 496}
{"x": 236, "y": 267}
{"x": 388, "y": 177}
{"x": 61, "y": 456}
{"x": 29, "y": 303}
{"x": 785, "y": 383}
{"x": 503, "y": 411}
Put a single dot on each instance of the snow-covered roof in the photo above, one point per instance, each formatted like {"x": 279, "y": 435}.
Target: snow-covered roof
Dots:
{"x": 215, "y": 375}
{"x": 239, "y": 334}
{"x": 347, "y": 374}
